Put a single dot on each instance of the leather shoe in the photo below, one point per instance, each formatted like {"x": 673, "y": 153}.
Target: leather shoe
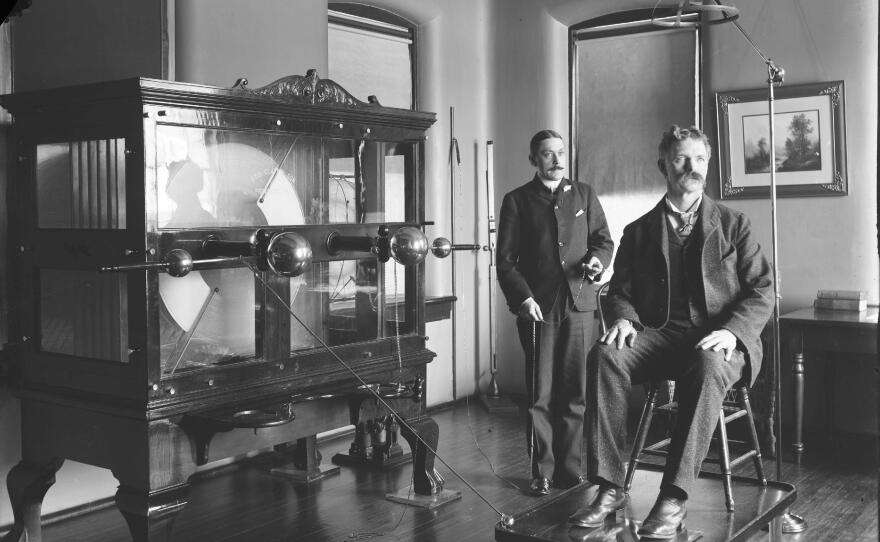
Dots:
{"x": 540, "y": 486}
{"x": 609, "y": 500}
{"x": 665, "y": 519}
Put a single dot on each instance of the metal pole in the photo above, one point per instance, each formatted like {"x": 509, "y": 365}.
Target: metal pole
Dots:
{"x": 791, "y": 523}
{"x": 453, "y": 151}
{"x": 493, "y": 391}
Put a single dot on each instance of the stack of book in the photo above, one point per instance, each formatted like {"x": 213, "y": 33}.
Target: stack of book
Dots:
{"x": 841, "y": 300}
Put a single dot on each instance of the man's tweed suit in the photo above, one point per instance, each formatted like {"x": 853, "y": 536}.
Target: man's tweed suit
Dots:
{"x": 737, "y": 287}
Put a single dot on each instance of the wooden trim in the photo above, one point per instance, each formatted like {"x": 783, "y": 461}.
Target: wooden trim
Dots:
{"x": 439, "y": 307}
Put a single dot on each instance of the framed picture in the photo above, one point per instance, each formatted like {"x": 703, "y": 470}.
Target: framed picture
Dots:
{"x": 809, "y": 139}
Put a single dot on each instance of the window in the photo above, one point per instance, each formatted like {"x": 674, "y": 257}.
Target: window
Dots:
{"x": 630, "y": 81}
{"x": 372, "y": 52}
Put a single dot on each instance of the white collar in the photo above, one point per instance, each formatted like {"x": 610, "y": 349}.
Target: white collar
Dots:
{"x": 692, "y": 209}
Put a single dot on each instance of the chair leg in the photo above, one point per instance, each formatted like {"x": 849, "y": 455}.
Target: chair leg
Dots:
{"x": 725, "y": 462}
{"x": 641, "y": 434}
{"x": 746, "y": 405}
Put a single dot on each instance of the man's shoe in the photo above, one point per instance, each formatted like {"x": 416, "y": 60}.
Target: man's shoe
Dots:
{"x": 665, "y": 519}
{"x": 540, "y": 486}
{"x": 609, "y": 500}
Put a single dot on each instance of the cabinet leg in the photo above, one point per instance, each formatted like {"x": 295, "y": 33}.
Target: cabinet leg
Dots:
{"x": 27, "y": 484}
{"x": 306, "y": 467}
{"x": 426, "y": 480}
{"x": 427, "y": 490}
{"x": 150, "y": 516}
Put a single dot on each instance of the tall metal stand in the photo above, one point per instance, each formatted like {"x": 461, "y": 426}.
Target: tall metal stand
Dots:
{"x": 492, "y": 391}
{"x": 454, "y": 165}
{"x": 492, "y": 398}
{"x": 791, "y": 523}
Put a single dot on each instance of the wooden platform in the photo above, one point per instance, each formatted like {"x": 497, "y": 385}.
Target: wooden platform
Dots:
{"x": 707, "y": 517}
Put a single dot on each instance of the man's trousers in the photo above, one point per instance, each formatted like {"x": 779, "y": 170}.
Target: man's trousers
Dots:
{"x": 702, "y": 379}
{"x": 556, "y": 353}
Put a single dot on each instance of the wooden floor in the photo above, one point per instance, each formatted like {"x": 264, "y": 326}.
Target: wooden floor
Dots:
{"x": 836, "y": 483}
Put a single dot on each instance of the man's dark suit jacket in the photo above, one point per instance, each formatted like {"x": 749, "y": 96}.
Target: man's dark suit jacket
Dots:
{"x": 737, "y": 279}
{"x": 537, "y": 245}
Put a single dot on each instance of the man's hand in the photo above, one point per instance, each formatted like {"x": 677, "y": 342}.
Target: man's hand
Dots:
{"x": 593, "y": 268}
{"x": 529, "y": 310}
{"x": 621, "y": 331}
{"x": 716, "y": 341}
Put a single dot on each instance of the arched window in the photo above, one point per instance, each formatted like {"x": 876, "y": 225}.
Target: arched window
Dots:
{"x": 371, "y": 51}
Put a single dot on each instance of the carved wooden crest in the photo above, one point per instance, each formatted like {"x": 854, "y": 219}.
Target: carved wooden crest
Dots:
{"x": 307, "y": 89}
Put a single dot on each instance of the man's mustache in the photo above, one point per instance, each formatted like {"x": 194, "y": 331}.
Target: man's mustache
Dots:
{"x": 694, "y": 175}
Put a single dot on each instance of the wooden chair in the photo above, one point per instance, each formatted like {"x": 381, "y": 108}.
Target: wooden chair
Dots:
{"x": 736, "y": 405}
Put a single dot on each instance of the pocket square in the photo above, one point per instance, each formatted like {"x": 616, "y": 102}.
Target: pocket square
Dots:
{"x": 566, "y": 188}
{"x": 579, "y": 213}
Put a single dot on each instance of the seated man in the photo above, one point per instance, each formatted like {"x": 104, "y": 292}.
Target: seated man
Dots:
{"x": 689, "y": 297}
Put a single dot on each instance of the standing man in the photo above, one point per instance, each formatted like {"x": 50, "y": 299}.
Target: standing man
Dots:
{"x": 553, "y": 242}
{"x": 689, "y": 297}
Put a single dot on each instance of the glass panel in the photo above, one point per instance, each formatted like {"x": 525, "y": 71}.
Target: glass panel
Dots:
{"x": 398, "y": 320}
{"x": 372, "y": 193}
{"x": 353, "y": 300}
{"x": 217, "y": 178}
{"x": 84, "y": 314}
{"x": 341, "y": 181}
{"x": 81, "y": 184}
{"x": 206, "y": 318}
{"x": 308, "y": 299}
{"x": 397, "y": 159}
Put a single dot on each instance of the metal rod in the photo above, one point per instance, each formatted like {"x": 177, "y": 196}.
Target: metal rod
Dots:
{"x": 791, "y": 523}
{"x": 275, "y": 171}
{"x": 747, "y": 37}
{"x": 493, "y": 390}
{"x": 180, "y": 349}
{"x": 453, "y": 147}
{"x": 777, "y": 287}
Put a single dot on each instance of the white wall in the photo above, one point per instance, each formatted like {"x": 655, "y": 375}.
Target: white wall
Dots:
{"x": 823, "y": 242}
{"x": 218, "y": 41}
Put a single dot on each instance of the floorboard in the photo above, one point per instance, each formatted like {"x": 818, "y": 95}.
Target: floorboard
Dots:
{"x": 836, "y": 483}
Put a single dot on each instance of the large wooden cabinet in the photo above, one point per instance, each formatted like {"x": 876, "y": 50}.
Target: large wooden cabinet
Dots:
{"x": 135, "y": 361}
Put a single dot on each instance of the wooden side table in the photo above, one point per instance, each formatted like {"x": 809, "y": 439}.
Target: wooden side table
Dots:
{"x": 812, "y": 332}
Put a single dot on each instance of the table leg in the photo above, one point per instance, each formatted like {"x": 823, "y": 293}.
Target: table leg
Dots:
{"x": 797, "y": 373}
